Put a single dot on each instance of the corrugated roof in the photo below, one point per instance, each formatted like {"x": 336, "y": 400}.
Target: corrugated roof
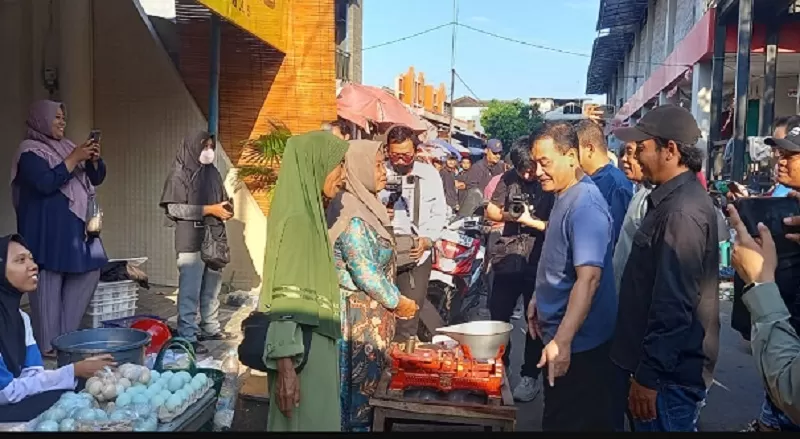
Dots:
{"x": 608, "y": 51}
{"x": 615, "y": 13}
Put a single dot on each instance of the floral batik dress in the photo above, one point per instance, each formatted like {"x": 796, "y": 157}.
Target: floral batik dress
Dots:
{"x": 365, "y": 265}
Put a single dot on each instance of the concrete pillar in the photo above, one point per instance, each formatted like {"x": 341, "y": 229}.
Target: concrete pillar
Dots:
{"x": 701, "y": 103}
{"x": 76, "y": 66}
{"x": 669, "y": 23}
{"x": 649, "y": 27}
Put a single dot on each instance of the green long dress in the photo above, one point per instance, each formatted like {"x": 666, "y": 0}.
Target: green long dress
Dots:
{"x": 300, "y": 287}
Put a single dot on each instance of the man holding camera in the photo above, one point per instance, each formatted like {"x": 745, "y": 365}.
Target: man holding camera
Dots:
{"x": 520, "y": 204}
{"x": 416, "y": 203}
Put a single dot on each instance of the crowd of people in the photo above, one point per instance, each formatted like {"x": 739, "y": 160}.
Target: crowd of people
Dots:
{"x": 617, "y": 267}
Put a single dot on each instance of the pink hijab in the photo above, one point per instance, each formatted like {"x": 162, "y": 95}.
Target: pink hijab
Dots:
{"x": 39, "y": 141}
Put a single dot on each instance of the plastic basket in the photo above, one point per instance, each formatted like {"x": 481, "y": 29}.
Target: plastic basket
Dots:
{"x": 178, "y": 343}
{"x": 127, "y": 322}
{"x": 107, "y": 291}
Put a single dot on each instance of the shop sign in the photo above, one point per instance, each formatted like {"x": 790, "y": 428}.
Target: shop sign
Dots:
{"x": 267, "y": 20}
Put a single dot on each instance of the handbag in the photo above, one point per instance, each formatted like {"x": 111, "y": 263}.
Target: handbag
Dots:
{"x": 254, "y": 341}
{"x": 405, "y": 243}
{"x": 215, "y": 252}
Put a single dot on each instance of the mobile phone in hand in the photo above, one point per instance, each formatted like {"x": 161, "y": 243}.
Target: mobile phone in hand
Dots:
{"x": 94, "y": 136}
{"x": 769, "y": 211}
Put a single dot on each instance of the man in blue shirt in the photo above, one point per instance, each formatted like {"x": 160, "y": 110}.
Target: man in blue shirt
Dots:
{"x": 594, "y": 160}
{"x": 575, "y": 302}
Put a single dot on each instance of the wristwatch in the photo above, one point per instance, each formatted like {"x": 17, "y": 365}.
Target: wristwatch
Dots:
{"x": 750, "y": 286}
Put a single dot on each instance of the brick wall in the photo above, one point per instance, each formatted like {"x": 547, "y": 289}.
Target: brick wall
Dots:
{"x": 259, "y": 84}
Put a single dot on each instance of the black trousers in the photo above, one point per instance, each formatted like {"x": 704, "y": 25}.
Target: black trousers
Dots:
{"x": 581, "y": 400}
{"x": 30, "y": 407}
{"x": 413, "y": 284}
{"x": 506, "y": 290}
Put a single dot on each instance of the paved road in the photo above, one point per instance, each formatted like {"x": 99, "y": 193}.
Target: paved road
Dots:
{"x": 734, "y": 400}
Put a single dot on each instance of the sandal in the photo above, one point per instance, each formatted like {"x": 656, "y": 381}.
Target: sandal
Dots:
{"x": 219, "y": 336}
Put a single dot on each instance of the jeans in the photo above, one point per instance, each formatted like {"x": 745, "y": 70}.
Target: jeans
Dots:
{"x": 198, "y": 289}
{"x": 774, "y": 418}
{"x": 677, "y": 410}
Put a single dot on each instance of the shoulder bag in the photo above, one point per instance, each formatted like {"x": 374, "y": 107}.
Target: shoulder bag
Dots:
{"x": 214, "y": 251}
{"x": 254, "y": 341}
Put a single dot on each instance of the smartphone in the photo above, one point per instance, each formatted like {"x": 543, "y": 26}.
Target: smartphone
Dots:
{"x": 94, "y": 136}
{"x": 771, "y": 212}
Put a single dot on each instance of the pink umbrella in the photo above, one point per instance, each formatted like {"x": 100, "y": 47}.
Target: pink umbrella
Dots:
{"x": 362, "y": 103}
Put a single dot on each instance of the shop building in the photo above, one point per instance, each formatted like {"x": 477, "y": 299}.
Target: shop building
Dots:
{"x": 652, "y": 52}
{"x": 227, "y": 66}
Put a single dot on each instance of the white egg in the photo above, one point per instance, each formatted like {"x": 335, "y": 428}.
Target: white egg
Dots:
{"x": 109, "y": 392}
{"x": 94, "y": 386}
{"x": 144, "y": 376}
{"x": 124, "y": 382}
{"x": 120, "y": 389}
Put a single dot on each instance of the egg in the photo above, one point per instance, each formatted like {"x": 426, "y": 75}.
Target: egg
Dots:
{"x": 135, "y": 390}
{"x": 185, "y": 376}
{"x": 175, "y": 383}
{"x": 173, "y": 402}
{"x": 48, "y": 426}
{"x": 156, "y": 388}
{"x": 109, "y": 391}
{"x": 54, "y": 414}
{"x": 157, "y": 401}
{"x": 165, "y": 394}
{"x": 94, "y": 386}
{"x": 100, "y": 415}
{"x": 140, "y": 398}
{"x": 124, "y": 399}
{"x": 140, "y": 388}
{"x": 85, "y": 415}
{"x": 119, "y": 415}
{"x": 124, "y": 382}
{"x": 201, "y": 376}
{"x": 120, "y": 388}
{"x": 154, "y": 375}
{"x": 67, "y": 425}
{"x": 144, "y": 376}
{"x": 197, "y": 385}
{"x": 168, "y": 374}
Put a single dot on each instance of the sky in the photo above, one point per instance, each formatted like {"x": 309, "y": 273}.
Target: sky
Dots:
{"x": 493, "y": 68}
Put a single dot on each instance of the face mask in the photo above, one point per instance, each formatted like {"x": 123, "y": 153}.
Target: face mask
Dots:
{"x": 207, "y": 156}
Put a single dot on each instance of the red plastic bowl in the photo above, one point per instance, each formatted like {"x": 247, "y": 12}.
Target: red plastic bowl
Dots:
{"x": 158, "y": 330}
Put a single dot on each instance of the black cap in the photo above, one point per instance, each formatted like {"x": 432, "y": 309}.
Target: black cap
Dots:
{"x": 790, "y": 143}
{"x": 668, "y": 122}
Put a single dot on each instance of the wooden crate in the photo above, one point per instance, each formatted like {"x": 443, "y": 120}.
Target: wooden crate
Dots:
{"x": 390, "y": 407}
{"x": 252, "y": 405}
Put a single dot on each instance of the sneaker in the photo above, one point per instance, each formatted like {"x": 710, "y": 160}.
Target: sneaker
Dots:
{"x": 517, "y": 314}
{"x": 219, "y": 336}
{"x": 527, "y": 389}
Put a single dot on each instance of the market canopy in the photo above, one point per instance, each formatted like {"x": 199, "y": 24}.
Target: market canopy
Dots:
{"x": 361, "y": 104}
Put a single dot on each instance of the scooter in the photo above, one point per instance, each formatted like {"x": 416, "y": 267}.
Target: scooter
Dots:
{"x": 458, "y": 290}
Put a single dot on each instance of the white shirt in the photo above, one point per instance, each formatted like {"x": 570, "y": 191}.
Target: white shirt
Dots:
{"x": 33, "y": 379}
{"x": 433, "y": 206}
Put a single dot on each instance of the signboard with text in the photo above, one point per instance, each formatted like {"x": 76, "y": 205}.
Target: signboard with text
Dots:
{"x": 267, "y": 20}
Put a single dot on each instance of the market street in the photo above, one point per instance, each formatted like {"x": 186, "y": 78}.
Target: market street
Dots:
{"x": 730, "y": 406}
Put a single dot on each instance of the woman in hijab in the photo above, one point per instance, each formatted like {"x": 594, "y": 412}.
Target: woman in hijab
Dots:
{"x": 363, "y": 248}
{"x": 300, "y": 290}
{"x": 194, "y": 198}
{"x": 53, "y": 189}
{"x": 26, "y": 389}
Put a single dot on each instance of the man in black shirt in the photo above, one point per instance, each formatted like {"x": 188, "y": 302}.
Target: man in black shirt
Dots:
{"x": 480, "y": 173}
{"x": 448, "y": 174}
{"x": 515, "y": 254}
{"x": 667, "y": 335}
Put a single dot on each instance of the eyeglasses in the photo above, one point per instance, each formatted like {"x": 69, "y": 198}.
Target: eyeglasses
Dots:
{"x": 401, "y": 156}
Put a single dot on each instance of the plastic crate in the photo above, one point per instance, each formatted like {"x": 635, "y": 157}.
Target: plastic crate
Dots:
{"x": 113, "y": 300}
{"x": 127, "y": 322}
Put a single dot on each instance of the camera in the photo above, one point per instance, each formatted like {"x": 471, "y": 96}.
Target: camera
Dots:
{"x": 394, "y": 185}
{"x": 517, "y": 204}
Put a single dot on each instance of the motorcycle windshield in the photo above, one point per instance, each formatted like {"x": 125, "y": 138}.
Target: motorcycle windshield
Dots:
{"x": 473, "y": 201}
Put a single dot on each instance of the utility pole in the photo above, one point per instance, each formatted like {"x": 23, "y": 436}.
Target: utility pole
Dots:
{"x": 453, "y": 67}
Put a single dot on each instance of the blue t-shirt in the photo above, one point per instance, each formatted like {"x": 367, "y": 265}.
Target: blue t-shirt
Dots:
{"x": 618, "y": 192}
{"x": 578, "y": 234}
{"x": 780, "y": 191}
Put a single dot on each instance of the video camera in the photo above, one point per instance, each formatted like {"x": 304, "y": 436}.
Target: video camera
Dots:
{"x": 517, "y": 204}
{"x": 394, "y": 185}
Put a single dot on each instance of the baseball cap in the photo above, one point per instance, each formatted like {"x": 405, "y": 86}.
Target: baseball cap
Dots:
{"x": 790, "y": 143}
{"x": 495, "y": 145}
{"x": 669, "y": 122}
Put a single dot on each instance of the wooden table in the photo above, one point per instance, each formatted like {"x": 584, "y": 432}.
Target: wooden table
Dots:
{"x": 196, "y": 416}
{"x": 390, "y": 409}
